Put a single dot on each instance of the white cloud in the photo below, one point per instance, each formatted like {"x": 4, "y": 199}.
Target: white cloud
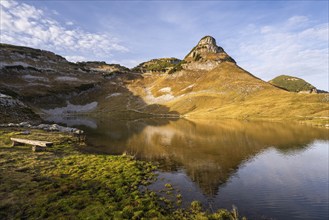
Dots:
{"x": 270, "y": 51}
{"x": 130, "y": 63}
{"x": 7, "y": 4}
{"x": 297, "y": 21}
{"x": 23, "y": 24}
{"x": 76, "y": 58}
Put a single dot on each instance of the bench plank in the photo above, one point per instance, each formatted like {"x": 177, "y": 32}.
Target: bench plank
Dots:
{"x": 32, "y": 142}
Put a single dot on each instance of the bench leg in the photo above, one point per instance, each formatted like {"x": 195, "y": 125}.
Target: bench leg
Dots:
{"x": 37, "y": 148}
{"x": 16, "y": 144}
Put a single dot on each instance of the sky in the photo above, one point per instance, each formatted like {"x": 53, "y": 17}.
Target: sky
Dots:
{"x": 266, "y": 38}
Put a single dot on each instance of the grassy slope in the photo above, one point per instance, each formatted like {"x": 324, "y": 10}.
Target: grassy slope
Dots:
{"x": 292, "y": 84}
{"x": 230, "y": 92}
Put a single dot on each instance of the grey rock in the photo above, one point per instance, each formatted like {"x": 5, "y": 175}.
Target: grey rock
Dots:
{"x": 26, "y": 132}
{"x": 24, "y": 124}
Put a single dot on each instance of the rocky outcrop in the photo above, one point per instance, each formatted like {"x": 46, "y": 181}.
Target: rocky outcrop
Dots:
{"x": 205, "y": 56}
{"x": 45, "y": 127}
{"x": 207, "y": 50}
{"x": 206, "y": 45}
{"x": 44, "y": 80}
{"x": 24, "y": 57}
{"x": 33, "y": 72}
{"x": 13, "y": 110}
{"x": 107, "y": 70}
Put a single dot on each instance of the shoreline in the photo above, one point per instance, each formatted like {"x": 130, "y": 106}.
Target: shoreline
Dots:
{"x": 63, "y": 182}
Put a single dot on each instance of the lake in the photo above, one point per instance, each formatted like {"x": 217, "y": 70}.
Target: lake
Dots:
{"x": 268, "y": 170}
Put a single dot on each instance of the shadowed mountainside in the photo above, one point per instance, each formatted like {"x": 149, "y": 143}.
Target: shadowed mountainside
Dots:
{"x": 49, "y": 84}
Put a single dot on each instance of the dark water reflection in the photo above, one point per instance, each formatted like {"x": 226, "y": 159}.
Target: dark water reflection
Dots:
{"x": 270, "y": 170}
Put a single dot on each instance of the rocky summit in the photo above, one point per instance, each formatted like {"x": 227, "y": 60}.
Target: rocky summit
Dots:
{"x": 206, "y": 55}
{"x": 207, "y": 83}
{"x": 207, "y": 50}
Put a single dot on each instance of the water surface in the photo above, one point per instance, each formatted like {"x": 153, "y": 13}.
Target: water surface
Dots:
{"x": 268, "y": 170}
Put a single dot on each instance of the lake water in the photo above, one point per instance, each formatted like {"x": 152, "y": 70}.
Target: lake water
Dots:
{"x": 267, "y": 170}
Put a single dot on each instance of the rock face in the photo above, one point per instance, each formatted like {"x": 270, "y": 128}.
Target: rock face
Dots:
{"x": 46, "y": 127}
{"x": 103, "y": 67}
{"x": 205, "y": 56}
{"x": 35, "y": 72}
{"x": 13, "y": 110}
{"x": 43, "y": 80}
{"x": 24, "y": 57}
{"x": 208, "y": 45}
{"x": 207, "y": 50}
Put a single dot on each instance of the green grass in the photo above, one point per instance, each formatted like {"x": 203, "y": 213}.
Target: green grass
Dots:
{"x": 292, "y": 84}
{"x": 63, "y": 183}
{"x": 157, "y": 65}
{"x": 177, "y": 67}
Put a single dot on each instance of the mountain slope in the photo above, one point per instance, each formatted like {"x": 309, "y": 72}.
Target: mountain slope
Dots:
{"x": 14, "y": 111}
{"x": 206, "y": 84}
{"x": 213, "y": 86}
{"x": 49, "y": 84}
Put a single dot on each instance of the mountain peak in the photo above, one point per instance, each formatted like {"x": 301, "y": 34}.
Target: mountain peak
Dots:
{"x": 208, "y": 44}
{"x": 206, "y": 55}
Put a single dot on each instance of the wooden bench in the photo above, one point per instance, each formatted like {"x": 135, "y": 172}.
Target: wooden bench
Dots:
{"x": 36, "y": 145}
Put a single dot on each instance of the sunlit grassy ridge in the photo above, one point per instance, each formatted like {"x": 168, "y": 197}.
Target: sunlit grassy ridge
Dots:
{"x": 292, "y": 84}
{"x": 228, "y": 91}
{"x": 62, "y": 183}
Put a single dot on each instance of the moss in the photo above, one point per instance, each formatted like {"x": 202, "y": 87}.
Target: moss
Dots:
{"x": 157, "y": 65}
{"x": 63, "y": 183}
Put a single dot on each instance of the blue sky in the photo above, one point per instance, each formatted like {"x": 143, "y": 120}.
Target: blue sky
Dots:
{"x": 267, "y": 38}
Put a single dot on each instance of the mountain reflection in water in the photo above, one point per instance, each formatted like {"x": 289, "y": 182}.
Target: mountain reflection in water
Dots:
{"x": 267, "y": 169}
{"x": 209, "y": 151}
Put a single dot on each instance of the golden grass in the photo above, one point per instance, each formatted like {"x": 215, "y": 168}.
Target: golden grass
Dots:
{"x": 228, "y": 91}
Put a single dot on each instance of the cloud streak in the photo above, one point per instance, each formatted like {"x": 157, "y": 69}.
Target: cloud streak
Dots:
{"x": 23, "y": 24}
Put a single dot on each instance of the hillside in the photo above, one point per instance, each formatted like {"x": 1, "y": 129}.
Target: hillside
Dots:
{"x": 14, "y": 111}
{"x": 49, "y": 84}
{"x": 293, "y": 84}
{"x": 214, "y": 86}
{"x": 107, "y": 70}
{"x": 207, "y": 83}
